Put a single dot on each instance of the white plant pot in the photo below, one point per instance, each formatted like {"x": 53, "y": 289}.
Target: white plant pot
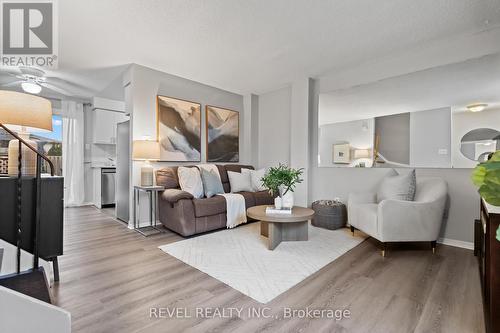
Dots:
{"x": 288, "y": 200}
{"x": 277, "y": 203}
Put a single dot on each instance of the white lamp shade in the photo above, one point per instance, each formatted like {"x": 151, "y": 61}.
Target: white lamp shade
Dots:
{"x": 362, "y": 153}
{"x": 18, "y": 110}
{"x": 31, "y": 87}
{"x": 146, "y": 150}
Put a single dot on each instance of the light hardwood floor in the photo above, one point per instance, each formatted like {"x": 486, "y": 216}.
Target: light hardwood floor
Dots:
{"x": 111, "y": 276}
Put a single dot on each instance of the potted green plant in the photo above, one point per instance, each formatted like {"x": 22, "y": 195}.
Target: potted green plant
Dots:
{"x": 486, "y": 176}
{"x": 282, "y": 180}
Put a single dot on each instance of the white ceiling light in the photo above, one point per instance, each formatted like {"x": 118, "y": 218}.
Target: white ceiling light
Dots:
{"x": 31, "y": 87}
{"x": 478, "y": 107}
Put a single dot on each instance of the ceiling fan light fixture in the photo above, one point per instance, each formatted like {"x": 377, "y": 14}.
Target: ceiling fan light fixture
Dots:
{"x": 31, "y": 87}
{"x": 477, "y": 107}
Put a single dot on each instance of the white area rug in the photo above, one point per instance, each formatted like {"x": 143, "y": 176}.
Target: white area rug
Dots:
{"x": 239, "y": 257}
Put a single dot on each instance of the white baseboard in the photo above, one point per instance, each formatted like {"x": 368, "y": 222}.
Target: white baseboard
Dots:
{"x": 80, "y": 205}
{"x": 456, "y": 243}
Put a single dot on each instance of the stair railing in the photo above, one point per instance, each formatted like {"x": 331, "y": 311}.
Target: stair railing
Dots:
{"x": 37, "y": 195}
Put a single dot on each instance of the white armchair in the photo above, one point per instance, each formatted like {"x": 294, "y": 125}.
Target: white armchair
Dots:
{"x": 399, "y": 220}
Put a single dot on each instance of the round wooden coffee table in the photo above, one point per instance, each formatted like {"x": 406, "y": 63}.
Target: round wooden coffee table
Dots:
{"x": 282, "y": 227}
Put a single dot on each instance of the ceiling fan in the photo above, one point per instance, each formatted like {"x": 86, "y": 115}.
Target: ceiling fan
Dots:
{"x": 33, "y": 80}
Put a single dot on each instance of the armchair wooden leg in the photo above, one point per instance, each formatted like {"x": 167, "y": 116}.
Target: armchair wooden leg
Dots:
{"x": 384, "y": 247}
{"x": 433, "y": 246}
{"x": 352, "y": 230}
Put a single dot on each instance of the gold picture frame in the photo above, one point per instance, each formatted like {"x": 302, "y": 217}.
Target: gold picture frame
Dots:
{"x": 222, "y": 134}
{"x": 178, "y": 129}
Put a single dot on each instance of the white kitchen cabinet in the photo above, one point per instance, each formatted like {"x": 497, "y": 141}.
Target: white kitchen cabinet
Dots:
{"x": 108, "y": 104}
{"x": 97, "y": 187}
{"x": 106, "y": 113}
{"x": 120, "y": 117}
{"x": 105, "y": 125}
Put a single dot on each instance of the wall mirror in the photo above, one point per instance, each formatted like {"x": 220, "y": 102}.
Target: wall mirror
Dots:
{"x": 443, "y": 117}
{"x": 477, "y": 144}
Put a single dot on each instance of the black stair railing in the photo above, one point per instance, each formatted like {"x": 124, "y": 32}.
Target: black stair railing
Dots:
{"x": 36, "y": 196}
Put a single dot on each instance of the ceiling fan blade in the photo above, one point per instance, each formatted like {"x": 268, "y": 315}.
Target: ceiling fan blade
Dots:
{"x": 12, "y": 71}
{"x": 13, "y": 83}
{"x": 32, "y": 71}
{"x": 56, "y": 89}
{"x": 61, "y": 82}
{"x": 14, "y": 75}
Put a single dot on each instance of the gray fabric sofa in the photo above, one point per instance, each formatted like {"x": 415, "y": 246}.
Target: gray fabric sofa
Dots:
{"x": 180, "y": 212}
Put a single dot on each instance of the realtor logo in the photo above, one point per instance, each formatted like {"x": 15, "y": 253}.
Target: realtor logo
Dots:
{"x": 29, "y": 35}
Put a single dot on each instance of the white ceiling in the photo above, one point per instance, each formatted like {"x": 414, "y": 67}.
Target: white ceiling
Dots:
{"x": 249, "y": 45}
{"x": 256, "y": 45}
{"x": 456, "y": 86}
{"x": 82, "y": 83}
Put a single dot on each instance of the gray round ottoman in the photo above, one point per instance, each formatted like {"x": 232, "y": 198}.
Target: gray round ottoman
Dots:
{"x": 329, "y": 214}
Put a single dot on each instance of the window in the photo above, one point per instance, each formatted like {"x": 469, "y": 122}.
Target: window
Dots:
{"x": 50, "y": 143}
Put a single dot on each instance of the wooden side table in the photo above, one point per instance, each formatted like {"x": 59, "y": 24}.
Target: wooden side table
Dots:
{"x": 152, "y": 192}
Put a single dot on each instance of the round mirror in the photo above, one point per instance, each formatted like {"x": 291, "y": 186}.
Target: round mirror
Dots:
{"x": 477, "y": 144}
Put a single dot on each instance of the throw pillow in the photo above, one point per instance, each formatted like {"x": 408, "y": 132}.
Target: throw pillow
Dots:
{"x": 255, "y": 178}
{"x": 398, "y": 187}
{"x": 190, "y": 181}
{"x": 211, "y": 182}
{"x": 240, "y": 182}
{"x": 209, "y": 167}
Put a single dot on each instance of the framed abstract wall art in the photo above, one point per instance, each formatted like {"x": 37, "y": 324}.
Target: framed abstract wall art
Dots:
{"x": 223, "y": 134}
{"x": 178, "y": 129}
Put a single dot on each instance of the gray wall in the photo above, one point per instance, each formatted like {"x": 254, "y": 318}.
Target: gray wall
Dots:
{"x": 328, "y": 183}
{"x": 140, "y": 99}
{"x": 394, "y": 134}
{"x": 430, "y": 138}
{"x": 274, "y": 127}
{"x": 283, "y": 131}
{"x": 148, "y": 83}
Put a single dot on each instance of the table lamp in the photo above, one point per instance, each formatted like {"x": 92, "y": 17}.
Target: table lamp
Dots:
{"x": 362, "y": 153}
{"x": 146, "y": 150}
{"x": 21, "y": 112}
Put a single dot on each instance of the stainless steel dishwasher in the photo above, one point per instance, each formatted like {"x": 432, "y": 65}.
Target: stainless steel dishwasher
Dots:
{"x": 108, "y": 187}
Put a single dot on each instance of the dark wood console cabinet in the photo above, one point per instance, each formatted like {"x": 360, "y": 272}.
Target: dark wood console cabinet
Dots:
{"x": 487, "y": 248}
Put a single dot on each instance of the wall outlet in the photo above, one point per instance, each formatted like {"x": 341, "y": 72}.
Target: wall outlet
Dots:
{"x": 443, "y": 151}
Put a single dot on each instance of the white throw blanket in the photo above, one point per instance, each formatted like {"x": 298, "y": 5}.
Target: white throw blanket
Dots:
{"x": 236, "y": 213}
